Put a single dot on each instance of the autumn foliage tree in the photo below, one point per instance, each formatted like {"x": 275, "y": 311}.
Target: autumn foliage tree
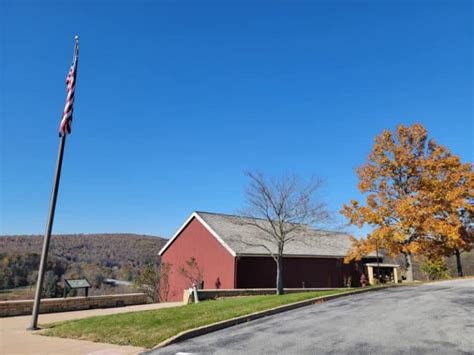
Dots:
{"x": 447, "y": 196}
{"x": 419, "y": 198}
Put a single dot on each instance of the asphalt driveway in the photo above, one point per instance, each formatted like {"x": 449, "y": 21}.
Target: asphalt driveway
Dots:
{"x": 435, "y": 318}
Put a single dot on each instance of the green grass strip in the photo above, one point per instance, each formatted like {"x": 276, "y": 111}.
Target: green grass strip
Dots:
{"x": 149, "y": 328}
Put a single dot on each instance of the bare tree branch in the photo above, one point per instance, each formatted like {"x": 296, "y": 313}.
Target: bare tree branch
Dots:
{"x": 282, "y": 209}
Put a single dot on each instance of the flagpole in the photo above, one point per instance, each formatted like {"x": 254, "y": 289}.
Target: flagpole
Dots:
{"x": 49, "y": 224}
{"x": 47, "y": 236}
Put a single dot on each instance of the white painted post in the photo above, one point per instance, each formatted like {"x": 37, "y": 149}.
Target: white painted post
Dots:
{"x": 370, "y": 271}
{"x": 195, "y": 292}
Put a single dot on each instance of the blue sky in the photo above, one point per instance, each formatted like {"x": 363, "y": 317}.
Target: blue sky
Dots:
{"x": 176, "y": 99}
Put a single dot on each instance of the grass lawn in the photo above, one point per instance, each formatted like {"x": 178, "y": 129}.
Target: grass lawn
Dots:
{"x": 149, "y": 328}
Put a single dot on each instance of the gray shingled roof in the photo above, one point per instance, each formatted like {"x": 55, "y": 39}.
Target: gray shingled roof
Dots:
{"x": 239, "y": 236}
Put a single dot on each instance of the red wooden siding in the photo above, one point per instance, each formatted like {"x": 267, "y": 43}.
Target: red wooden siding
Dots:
{"x": 216, "y": 263}
{"x": 260, "y": 272}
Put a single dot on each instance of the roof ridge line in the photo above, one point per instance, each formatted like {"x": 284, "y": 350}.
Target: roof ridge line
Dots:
{"x": 263, "y": 219}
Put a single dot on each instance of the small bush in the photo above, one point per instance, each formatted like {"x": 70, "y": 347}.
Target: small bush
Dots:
{"x": 435, "y": 269}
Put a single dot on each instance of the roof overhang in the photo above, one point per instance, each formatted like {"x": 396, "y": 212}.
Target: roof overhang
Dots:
{"x": 293, "y": 255}
{"x": 213, "y": 232}
{"x": 381, "y": 265}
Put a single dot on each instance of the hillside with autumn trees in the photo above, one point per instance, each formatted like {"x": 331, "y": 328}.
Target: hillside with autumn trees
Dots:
{"x": 94, "y": 256}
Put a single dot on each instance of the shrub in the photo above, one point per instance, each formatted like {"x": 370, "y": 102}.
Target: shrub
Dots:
{"x": 435, "y": 268}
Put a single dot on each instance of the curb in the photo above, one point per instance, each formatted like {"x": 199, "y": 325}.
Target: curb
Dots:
{"x": 191, "y": 333}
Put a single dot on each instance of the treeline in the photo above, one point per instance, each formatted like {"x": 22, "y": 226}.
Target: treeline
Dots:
{"x": 423, "y": 269}
{"x": 94, "y": 256}
{"x": 16, "y": 269}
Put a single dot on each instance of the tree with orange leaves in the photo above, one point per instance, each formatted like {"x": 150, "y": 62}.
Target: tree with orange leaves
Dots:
{"x": 447, "y": 195}
{"x": 419, "y": 198}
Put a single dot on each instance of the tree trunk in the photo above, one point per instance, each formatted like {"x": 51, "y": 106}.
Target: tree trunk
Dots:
{"x": 409, "y": 267}
{"x": 378, "y": 260}
{"x": 279, "y": 276}
{"x": 458, "y": 263}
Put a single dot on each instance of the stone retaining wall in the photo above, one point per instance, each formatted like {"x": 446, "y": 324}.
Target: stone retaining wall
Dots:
{"x": 52, "y": 305}
{"x": 217, "y": 293}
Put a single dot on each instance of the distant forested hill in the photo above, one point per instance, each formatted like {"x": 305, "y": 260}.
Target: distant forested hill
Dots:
{"x": 95, "y": 256}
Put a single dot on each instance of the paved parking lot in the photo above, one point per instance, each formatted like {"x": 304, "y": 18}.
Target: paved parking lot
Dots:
{"x": 435, "y": 318}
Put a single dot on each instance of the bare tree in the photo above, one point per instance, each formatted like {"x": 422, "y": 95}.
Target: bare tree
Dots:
{"x": 153, "y": 281}
{"x": 282, "y": 209}
{"x": 192, "y": 272}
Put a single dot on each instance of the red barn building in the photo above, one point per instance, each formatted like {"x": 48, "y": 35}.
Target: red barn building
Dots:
{"x": 223, "y": 247}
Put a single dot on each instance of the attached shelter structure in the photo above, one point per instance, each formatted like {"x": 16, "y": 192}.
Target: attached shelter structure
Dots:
{"x": 385, "y": 272}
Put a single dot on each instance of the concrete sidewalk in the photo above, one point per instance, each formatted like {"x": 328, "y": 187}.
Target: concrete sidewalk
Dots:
{"x": 15, "y": 339}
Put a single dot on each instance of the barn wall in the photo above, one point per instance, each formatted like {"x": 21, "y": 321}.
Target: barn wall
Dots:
{"x": 216, "y": 263}
{"x": 260, "y": 272}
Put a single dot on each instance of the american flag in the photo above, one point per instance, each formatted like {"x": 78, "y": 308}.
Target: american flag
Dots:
{"x": 66, "y": 121}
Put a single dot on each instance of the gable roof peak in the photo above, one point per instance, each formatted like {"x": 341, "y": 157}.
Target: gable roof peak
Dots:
{"x": 240, "y": 238}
